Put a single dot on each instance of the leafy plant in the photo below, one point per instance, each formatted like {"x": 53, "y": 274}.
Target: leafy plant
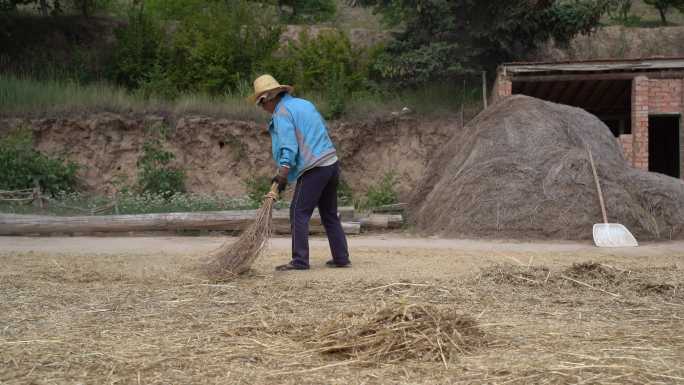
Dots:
{"x": 345, "y": 196}
{"x": 384, "y": 192}
{"x": 139, "y": 45}
{"x": 664, "y": 7}
{"x": 307, "y": 10}
{"x": 441, "y": 39}
{"x": 22, "y": 167}
{"x": 257, "y": 187}
{"x": 155, "y": 175}
{"x": 326, "y": 64}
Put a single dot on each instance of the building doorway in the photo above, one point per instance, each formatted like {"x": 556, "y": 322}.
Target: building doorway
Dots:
{"x": 663, "y": 145}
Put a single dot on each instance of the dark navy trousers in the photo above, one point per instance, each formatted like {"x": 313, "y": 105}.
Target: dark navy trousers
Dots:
{"x": 317, "y": 188}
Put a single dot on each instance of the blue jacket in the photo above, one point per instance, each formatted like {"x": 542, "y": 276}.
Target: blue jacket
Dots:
{"x": 299, "y": 137}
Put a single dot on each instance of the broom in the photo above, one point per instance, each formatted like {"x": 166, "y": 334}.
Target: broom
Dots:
{"x": 235, "y": 258}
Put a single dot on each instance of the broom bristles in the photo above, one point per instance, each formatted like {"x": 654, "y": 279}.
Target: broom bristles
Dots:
{"x": 234, "y": 258}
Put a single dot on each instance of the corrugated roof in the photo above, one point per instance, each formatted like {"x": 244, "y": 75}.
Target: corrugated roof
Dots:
{"x": 589, "y": 66}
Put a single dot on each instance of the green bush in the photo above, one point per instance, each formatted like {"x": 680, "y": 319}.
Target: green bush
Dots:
{"x": 155, "y": 175}
{"x": 139, "y": 45}
{"x": 212, "y": 48}
{"x": 256, "y": 188}
{"x": 326, "y": 64}
{"x": 345, "y": 196}
{"x": 308, "y": 11}
{"x": 384, "y": 192}
{"x": 22, "y": 167}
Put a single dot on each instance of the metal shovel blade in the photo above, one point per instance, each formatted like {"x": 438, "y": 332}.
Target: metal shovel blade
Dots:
{"x": 613, "y": 235}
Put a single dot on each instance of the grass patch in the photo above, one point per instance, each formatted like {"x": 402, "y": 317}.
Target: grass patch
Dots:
{"x": 70, "y": 204}
{"x": 23, "y": 96}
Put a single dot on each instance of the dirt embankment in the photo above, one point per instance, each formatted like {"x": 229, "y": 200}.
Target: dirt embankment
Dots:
{"x": 617, "y": 42}
{"x": 218, "y": 155}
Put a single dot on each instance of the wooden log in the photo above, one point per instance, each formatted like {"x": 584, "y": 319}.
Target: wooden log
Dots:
{"x": 381, "y": 222}
{"x": 13, "y": 224}
{"x": 393, "y": 208}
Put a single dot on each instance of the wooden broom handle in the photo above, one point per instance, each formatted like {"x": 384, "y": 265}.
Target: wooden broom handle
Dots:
{"x": 273, "y": 193}
{"x": 598, "y": 187}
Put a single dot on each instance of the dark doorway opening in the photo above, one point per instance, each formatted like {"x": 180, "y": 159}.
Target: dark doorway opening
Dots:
{"x": 663, "y": 145}
{"x": 610, "y": 100}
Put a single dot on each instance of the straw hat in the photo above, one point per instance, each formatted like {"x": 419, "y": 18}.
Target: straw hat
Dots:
{"x": 266, "y": 83}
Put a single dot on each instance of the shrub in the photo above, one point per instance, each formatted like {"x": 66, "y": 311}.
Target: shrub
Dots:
{"x": 308, "y": 11}
{"x": 383, "y": 193}
{"x": 138, "y": 46}
{"x": 326, "y": 64}
{"x": 345, "y": 195}
{"x": 210, "y": 47}
{"x": 155, "y": 175}
{"x": 216, "y": 48}
{"x": 22, "y": 167}
{"x": 257, "y": 187}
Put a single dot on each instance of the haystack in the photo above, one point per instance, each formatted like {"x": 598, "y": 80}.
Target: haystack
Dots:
{"x": 520, "y": 170}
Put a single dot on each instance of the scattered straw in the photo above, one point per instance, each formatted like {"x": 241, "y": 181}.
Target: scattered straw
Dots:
{"x": 400, "y": 332}
{"x": 235, "y": 258}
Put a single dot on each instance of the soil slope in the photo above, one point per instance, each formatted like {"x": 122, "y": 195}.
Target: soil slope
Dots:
{"x": 218, "y": 155}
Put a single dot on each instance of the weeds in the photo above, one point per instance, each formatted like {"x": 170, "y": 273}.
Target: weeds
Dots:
{"x": 128, "y": 202}
{"x": 382, "y": 193}
{"x": 22, "y": 167}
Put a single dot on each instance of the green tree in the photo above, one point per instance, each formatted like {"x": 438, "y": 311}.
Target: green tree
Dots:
{"x": 665, "y": 6}
{"x": 209, "y": 47}
{"x": 326, "y": 64}
{"x": 620, "y": 9}
{"x": 441, "y": 38}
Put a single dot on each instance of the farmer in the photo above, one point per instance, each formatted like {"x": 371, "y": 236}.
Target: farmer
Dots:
{"x": 304, "y": 153}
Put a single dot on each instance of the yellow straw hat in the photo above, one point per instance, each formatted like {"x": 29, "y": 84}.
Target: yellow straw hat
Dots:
{"x": 266, "y": 83}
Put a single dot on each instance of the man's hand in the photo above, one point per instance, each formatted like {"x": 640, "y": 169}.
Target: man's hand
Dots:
{"x": 281, "y": 178}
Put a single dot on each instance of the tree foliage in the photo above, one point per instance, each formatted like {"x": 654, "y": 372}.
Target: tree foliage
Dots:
{"x": 325, "y": 64}
{"x": 306, "y": 10}
{"x": 665, "y": 6}
{"x": 449, "y": 37}
{"x": 212, "y": 47}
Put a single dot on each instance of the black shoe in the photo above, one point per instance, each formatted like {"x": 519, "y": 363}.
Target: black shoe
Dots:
{"x": 290, "y": 266}
{"x": 332, "y": 263}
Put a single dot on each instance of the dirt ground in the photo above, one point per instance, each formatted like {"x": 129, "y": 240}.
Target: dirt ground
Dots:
{"x": 139, "y": 311}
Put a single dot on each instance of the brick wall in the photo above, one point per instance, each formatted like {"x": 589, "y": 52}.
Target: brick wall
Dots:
{"x": 640, "y": 111}
{"x": 503, "y": 86}
{"x": 665, "y": 96}
{"x": 627, "y": 147}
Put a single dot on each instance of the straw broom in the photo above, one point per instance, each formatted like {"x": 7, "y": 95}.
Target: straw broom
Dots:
{"x": 235, "y": 258}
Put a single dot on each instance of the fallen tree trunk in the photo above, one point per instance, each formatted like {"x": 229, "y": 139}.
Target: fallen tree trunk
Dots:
{"x": 12, "y": 224}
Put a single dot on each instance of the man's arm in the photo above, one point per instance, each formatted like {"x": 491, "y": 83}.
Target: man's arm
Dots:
{"x": 285, "y": 129}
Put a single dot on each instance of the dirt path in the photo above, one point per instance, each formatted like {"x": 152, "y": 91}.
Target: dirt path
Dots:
{"x": 389, "y": 257}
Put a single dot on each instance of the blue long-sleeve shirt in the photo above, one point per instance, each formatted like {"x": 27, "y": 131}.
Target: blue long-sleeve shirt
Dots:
{"x": 299, "y": 137}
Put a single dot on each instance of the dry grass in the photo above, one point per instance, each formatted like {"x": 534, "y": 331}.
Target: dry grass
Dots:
{"x": 152, "y": 319}
{"x": 233, "y": 258}
{"x": 400, "y": 332}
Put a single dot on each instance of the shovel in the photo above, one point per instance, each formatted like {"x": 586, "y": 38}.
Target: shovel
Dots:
{"x": 609, "y": 234}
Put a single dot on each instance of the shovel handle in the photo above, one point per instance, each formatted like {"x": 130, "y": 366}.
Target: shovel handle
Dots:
{"x": 598, "y": 186}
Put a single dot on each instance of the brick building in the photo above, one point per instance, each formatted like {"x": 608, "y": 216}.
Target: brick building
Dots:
{"x": 642, "y": 101}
